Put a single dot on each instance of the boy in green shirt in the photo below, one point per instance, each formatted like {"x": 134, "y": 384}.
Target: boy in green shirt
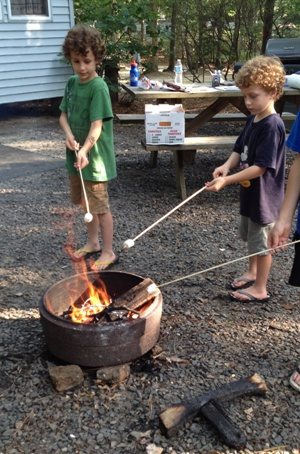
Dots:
{"x": 87, "y": 120}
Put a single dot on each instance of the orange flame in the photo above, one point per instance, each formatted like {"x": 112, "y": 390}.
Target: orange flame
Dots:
{"x": 95, "y": 300}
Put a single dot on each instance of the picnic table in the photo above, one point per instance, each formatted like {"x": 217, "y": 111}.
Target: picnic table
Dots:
{"x": 219, "y": 99}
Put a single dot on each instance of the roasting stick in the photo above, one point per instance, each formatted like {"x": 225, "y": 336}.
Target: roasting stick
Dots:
{"x": 88, "y": 217}
{"x": 130, "y": 242}
{"x": 152, "y": 287}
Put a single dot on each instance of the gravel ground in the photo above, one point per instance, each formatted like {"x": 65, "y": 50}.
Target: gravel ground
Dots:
{"x": 206, "y": 339}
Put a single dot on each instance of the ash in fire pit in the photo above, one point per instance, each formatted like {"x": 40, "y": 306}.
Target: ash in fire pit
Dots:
{"x": 76, "y": 315}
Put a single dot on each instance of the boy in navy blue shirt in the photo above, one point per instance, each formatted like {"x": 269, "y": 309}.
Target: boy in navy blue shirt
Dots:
{"x": 259, "y": 152}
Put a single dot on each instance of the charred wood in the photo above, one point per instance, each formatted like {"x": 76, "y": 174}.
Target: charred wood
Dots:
{"x": 228, "y": 431}
{"x": 176, "y": 415}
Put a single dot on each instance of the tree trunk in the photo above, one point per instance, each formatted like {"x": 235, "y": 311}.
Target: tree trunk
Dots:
{"x": 153, "y": 26}
{"x": 268, "y": 23}
{"x": 172, "y": 46}
{"x": 111, "y": 73}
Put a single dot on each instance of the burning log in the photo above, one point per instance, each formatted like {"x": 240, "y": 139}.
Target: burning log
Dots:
{"x": 176, "y": 415}
{"x": 94, "y": 305}
{"x": 137, "y": 296}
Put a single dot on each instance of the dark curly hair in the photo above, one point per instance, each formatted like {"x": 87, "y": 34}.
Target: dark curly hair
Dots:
{"x": 81, "y": 38}
{"x": 266, "y": 72}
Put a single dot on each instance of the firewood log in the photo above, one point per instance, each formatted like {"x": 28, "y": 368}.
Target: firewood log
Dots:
{"x": 176, "y": 415}
{"x": 228, "y": 431}
{"x": 137, "y": 296}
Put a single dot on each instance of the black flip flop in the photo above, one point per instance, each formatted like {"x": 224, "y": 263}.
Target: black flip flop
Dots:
{"x": 251, "y": 298}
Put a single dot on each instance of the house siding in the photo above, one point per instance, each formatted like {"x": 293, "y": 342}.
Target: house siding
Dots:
{"x": 31, "y": 64}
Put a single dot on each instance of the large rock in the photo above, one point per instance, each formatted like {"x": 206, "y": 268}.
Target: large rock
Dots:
{"x": 66, "y": 377}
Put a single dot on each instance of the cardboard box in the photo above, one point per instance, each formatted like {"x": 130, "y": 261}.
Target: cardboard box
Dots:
{"x": 164, "y": 124}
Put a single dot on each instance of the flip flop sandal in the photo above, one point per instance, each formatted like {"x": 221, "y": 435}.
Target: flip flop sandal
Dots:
{"x": 97, "y": 266}
{"x": 247, "y": 283}
{"x": 249, "y": 298}
{"x": 293, "y": 383}
{"x": 85, "y": 253}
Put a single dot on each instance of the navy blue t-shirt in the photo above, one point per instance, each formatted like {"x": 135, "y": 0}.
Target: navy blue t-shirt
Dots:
{"x": 262, "y": 144}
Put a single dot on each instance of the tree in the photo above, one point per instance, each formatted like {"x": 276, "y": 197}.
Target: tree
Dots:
{"x": 174, "y": 21}
{"x": 268, "y": 15}
{"x": 204, "y": 33}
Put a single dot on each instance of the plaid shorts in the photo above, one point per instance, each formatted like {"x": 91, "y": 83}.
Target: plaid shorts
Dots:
{"x": 96, "y": 192}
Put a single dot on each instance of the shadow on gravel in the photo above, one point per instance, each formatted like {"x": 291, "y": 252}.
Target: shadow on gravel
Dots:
{"x": 16, "y": 163}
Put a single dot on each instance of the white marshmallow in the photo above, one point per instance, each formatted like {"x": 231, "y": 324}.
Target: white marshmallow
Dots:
{"x": 88, "y": 217}
{"x": 151, "y": 288}
{"x": 128, "y": 244}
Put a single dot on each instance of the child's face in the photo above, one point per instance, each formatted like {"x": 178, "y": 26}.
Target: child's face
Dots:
{"x": 84, "y": 65}
{"x": 258, "y": 101}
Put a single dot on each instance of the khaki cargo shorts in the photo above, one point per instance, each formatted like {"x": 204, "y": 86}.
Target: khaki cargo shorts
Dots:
{"x": 256, "y": 235}
{"x": 96, "y": 192}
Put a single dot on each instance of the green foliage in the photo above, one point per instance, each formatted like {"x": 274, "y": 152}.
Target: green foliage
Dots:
{"x": 118, "y": 22}
{"x": 207, "y": 32}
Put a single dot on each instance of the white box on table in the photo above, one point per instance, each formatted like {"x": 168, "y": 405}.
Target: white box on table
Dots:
{"x": 164, "y": 124}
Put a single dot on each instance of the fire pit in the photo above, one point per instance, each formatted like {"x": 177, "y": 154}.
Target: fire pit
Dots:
{"x": 103, "y": 343}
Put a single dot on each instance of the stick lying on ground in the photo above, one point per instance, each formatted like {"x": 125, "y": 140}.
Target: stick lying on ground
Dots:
{"x": 230, "y": 434}
{"x": 174, "y": 416}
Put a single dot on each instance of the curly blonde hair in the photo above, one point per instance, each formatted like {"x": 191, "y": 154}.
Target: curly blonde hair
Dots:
{"x": 81, "y": 38}
{"x": 265, "y": 72}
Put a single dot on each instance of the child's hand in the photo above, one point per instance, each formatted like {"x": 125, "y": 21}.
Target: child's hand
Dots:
{"x": 279, "y": 234}
{"x": 71, "y": 143}
{"x": 216, "y": 185}
{"x": 82, "y": 160}
{"x": 220, "y": 171}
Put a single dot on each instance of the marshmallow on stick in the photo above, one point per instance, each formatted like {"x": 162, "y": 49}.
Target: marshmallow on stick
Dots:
{"x": 130, "y": 242}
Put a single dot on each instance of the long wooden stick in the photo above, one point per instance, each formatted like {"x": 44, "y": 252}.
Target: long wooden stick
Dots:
{"x": 83, "y": 187}
{"x": 225, "y": 264}
{"x": 168, "y": 214}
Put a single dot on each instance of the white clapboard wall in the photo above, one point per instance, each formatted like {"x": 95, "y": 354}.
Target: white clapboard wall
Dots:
{"x": 31, "y": 64}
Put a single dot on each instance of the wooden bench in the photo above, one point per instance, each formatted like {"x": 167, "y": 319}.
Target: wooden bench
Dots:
{"x": 187, "y": 149}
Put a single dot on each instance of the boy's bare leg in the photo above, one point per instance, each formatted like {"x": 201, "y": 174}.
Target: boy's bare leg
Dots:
{"x": 93, "y": 234}
{"x": 249, "y": 275}
{"x": 92, "y": 244}
{"x": 106, "y": 227}
{"x": 259, "y": 288}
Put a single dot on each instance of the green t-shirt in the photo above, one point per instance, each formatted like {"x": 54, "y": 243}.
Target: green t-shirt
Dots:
{"x": 84, "y": 103}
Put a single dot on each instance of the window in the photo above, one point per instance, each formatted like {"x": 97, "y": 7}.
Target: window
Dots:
{"x": 29, "y": 7}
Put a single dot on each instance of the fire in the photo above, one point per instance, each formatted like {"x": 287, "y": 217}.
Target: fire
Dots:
{"x": 94, "y": 299}
{"x": 91, "y": 303}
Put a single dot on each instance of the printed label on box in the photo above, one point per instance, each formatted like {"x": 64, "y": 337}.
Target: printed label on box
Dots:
{"x": 164, "y": 124}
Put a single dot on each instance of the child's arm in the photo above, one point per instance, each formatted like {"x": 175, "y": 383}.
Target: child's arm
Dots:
{"x": 246, "y": 174}
{"x": 92, "y": 137}
{"x": 231, "y": 163}
{"x": 279, "y": 235}
{"x": 70, "y": 139}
